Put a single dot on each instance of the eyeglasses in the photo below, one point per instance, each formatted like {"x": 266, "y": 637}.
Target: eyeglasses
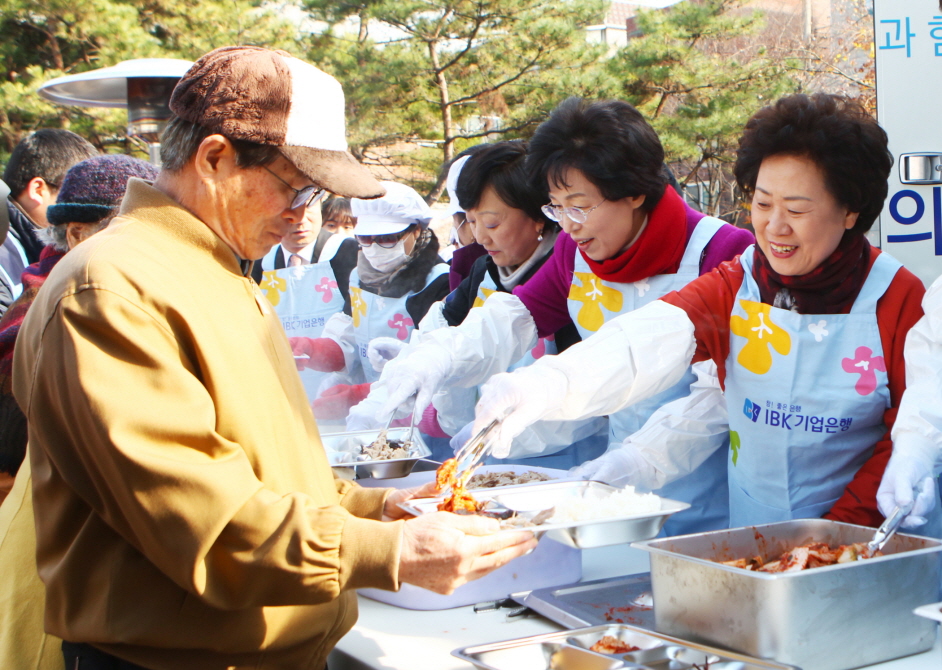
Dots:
{"x": 306, "y": 196}
{"x": 385, "y": 241}
{"x": 574, "y": 214}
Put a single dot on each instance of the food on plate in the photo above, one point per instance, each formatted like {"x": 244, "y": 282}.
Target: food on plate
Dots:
{"x": 805, "y": 557}
{"x": 459, "y": 500}
{"x": 597, "y": 505}
{"x": 488, "y": 480}
{"x": 612, "y": 645}
{"x": 383, "y": 449}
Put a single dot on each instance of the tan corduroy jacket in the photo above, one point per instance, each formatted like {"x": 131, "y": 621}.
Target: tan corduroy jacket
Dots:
{"x": 187, "y": 517}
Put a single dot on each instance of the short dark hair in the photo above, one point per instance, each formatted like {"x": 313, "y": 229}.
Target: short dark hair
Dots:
{"x": 181, "y": 139}
{"x": 502, "y": 166}
{"x": 838, "y": 134}
{"x": 610, "y": 142}
{"x": 337, "y": 208}
{"x": 46, "y": 153}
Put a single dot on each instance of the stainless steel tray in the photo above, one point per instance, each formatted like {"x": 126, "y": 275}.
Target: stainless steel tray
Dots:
{"x": 596, "y": 603}
{"x": 581, "y": 535}
{"x": 831, "y": 618}
{"x": 343, "y": 449}
{"x": 569, "y": 650}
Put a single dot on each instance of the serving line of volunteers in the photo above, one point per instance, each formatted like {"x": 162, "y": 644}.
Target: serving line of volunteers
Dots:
{"x": 806, "y": 329}
{"x": 186, "y": 515}
{"x": 628, "y": 239}
{"x": 503, "y": 212}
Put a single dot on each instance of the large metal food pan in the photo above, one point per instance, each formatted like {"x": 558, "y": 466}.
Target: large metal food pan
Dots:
{"x": 569, "y": 650}
{"x": 581, "y": 535}
{"x": 343, "y": 449}
{"x": 830, "y": 618}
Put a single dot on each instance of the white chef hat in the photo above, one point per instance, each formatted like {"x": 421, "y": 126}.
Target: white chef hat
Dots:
{"x": 392, "y": 213}
{"x": 451, "y": 183}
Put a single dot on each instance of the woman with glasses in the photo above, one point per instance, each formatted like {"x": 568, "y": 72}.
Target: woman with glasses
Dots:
{"x": 504, "y": 212}
{"x": 398, "y": 276}
{"x": 807, "y": 330}
{"x": 629, "y": 239}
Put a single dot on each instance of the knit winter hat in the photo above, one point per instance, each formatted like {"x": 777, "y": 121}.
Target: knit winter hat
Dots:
{"x": 92, "y": 188}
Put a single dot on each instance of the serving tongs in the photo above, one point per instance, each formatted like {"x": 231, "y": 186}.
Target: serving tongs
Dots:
{"x": 887, "y": 530}
{"x": 470, "y": 455}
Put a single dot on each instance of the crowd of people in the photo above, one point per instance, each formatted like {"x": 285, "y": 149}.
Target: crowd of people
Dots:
{"x": 173, "y": 343}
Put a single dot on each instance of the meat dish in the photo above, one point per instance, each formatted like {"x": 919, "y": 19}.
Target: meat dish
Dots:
{"x": 805, "y": 557}
{"x": 612, "y": 645}
{"x": 488, "y": 480}
{"x": 382, "y": 449}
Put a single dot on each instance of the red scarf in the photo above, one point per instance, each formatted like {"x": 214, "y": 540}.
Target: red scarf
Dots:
{"x": 657, "y": 251}
{"x": 831, "y": 288}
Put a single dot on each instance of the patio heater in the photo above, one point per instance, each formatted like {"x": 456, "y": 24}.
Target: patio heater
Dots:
{"x": 142, "y": 85}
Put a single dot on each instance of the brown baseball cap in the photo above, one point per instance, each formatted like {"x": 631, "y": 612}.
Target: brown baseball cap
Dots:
{"x": 270, "y": 97}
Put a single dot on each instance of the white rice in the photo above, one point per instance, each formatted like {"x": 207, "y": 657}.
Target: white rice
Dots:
{"x": 598, "y": 505}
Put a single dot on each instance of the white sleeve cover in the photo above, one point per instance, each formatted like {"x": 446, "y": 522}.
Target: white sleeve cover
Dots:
{"x": 548, "y": 437}
{"x": 917, "y": 432}
{"x": 339, "y": 328}
{"x": 632, "y": 357}
{"x": 682, "y": 434}
{"x": 433, "y": 319}
{"x": 489, "y": 340}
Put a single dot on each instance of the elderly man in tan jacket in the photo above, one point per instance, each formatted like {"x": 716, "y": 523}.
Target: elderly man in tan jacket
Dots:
{"x": 186, "y": 515}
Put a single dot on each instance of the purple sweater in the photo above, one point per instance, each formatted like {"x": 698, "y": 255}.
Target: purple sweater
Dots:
{"x": 546, "y": 293}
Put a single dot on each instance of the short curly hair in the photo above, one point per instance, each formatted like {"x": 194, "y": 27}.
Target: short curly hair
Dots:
{"x": 502, "y": 167}
{"x": 838, "y": 134}
{"x": 610, "y": 142}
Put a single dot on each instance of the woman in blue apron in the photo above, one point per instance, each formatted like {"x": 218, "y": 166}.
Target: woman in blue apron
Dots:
{"x": 398, "y": 276}
{"x": 504, "y": 213}
{"x": 806, "y": 328}
{"x": 628, "y": 239}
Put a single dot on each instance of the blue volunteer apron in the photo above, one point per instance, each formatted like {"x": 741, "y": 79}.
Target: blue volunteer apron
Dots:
{"x": 592, "y": 302}
{"x": 379, "y": 316}
{"x": 806, "y": 396}
{"x": 304, "y": 298}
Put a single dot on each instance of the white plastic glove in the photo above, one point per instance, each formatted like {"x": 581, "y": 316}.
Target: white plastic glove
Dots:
{"x": 419, "y": 371}
{"x": 632, "y": 357}
{"x": 917, "y": 432}
{"x": 381, "y": 350}
{"x": 365, "y": 415}
{"x": 619, "y": 467}
{"x": 909, "y": 476}
{"x": 462, "y": 436}
{"x": 518, "y": 399}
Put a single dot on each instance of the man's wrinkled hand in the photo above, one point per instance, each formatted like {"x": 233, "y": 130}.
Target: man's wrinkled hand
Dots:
{"x": 442, "y": 551}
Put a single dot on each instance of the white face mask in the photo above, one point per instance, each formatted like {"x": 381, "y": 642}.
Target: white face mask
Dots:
{"x": 386, "y": 260}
